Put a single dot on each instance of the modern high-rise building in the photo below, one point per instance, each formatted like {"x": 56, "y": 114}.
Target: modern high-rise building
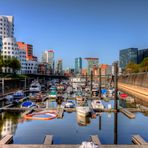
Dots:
{"x": 28, "y": 48}
{"x": 128, "y": 55}
{"x": 59, "y": 66}
{"x": 48, "y": 57}
{"x": 143, "y": 53}
{"x": 6, "y": 26}
{"x": 93, "y": 63}
{"x": 78, "y": 65}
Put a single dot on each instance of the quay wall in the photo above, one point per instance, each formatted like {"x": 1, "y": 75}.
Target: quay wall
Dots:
{"x": 135, "y": 85}
{"x": 139, "y": 79}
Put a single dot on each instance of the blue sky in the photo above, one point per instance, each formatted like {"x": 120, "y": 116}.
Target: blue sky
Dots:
{"x": 80, "y": 28}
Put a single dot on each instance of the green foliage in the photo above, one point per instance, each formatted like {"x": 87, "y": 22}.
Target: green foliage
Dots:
{"x": 144, "y": 65}
{"x": 135, "y": 68}
{"x": 15, "y": 64}
{"x": 132, "y": 68}
{"x": 10, "y": 62}
{"x": 1, "y": 63}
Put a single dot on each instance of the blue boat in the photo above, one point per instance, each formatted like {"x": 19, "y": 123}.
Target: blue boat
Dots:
{"x": 27, "y": 104}
{"x": 19, "y": 94}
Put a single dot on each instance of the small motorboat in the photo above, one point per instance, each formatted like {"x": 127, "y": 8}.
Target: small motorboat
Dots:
{"x": 18, "y": 94}
{"x": 9, "y": 99}
{"x": 69, "y": 104}
{"x": 83, "y": 110}
{"x": 35, "y": 87}
{"x": 27, "y": 104}
{"x": 97, "y": 104}
{"x": 52, "y": 94}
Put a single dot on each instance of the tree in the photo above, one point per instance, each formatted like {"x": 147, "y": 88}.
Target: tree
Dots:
{"x": 144, "y": 65}
{"x": 15, "y": 64}
{"x": 1, "y": 63}
{"x": 132, "y": 68}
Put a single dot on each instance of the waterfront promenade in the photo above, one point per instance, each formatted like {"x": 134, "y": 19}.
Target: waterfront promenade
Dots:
{"x": 139, "y": 92}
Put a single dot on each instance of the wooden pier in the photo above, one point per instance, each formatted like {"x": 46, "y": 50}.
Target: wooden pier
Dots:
{"x": 60, "y": 112}
{"x": 137, "y": 139}
{"x": 7, "y": 139}
{"x": 48, "y": 140}
{"x": 95, "y": 139}
{"x": 5, "y": 143}
{"x": 127, "y": 113}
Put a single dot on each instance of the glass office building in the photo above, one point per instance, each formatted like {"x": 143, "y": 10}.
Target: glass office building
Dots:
{"x": 143, "y": 53}
{"x": 128, "y": 55}
{"x": 78, "y": 65}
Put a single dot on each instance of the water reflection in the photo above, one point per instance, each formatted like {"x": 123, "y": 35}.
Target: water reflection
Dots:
{"x": 8, "y": 124}
{"x": 116, "y": 128}
{"x": 83, "y": 120}
{"x": 111, "y": 128}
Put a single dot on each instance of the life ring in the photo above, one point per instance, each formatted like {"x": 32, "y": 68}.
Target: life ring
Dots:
{"x": 31, "y": 116}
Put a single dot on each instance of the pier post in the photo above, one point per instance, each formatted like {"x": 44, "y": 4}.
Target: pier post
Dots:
{"x": 116, "y": 103}
{"x": 116, "y": 128}
{"x": 91, "y": 82}
{"x": 86, "y": 79}
{"x": 100, "y": 122}
{"x": 25, "y": 84}
{"x": 100, "y": 82}
{"x": 116, "y": 85}
{"x": 3, "y": 86}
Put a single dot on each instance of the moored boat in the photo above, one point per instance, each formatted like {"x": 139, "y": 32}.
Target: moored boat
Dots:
{"x": 97, "y": 104}
{"x": 18, "y": 94}
{"x": 69, "y": 104}
{"x": 27, "y": 104}
{"x": 35, "y": 87}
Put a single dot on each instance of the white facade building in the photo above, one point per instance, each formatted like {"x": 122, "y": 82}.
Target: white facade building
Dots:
{"x": 31, "y": 67}
{"x": 23, "y": 62}
{"x": 6, "y": 26}
{"x": 48, "y": 57}
{"x": 9, "y": 49}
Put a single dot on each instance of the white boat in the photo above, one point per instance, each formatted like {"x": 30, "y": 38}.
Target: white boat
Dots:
{"x": 69, "y": 104}
{"x": 35, "y": 87}
{"x": 18, "y": 94}
{"x": 83, "y": 110}
{"x": 97, "y": 104}
{"x": 9, "y": 99}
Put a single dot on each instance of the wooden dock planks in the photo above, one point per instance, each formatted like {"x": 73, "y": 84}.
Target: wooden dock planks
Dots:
{"x": 48, "y": 139}
{"x": 7, "y": 139}
{"x": 127, "y": 113}
{"x": 137, "y": 139}
{"x": 95, "y": 139}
